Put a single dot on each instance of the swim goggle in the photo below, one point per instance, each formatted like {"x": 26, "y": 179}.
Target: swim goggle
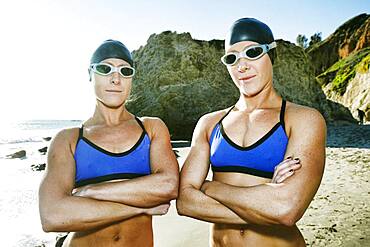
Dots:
{"x": 107, "y": 69}
{"x": 252, "y": 52}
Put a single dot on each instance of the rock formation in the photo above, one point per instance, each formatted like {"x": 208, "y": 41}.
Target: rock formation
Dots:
{"x": 179, "y": 79}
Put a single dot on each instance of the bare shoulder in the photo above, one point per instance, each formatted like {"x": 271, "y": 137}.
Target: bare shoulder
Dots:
{"x": 65, "y": 138}
{"x": 303, "y": 117}
{"x": 207, "y": 122}
{"x": 153, "y": 121}
{"x": 154, "y": 126}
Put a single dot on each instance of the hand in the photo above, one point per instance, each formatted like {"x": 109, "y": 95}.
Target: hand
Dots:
{"x": 158, "y": 210}
{"x": 205, "y": 185}
{"x": 81, "y": 191}
{"x": 285, "y": 169}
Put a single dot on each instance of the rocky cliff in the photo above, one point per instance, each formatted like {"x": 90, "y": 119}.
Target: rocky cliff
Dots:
{"x": 350, "y": 37}
{"x": 342, "y": 66}
{"x": 179, "y": 79}
{"x": 348, "y": 83}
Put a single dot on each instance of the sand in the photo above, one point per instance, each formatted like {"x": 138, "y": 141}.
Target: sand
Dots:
{"x": 339, "y": 215}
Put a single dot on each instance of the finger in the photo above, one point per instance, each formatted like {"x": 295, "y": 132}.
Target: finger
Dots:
{"x": 286, "y": 175}
{"x": 286, "y": 163}
{"x": 286, "y": 170}
{"x": 283, "y": 165}
{"x": 293, "y": 167}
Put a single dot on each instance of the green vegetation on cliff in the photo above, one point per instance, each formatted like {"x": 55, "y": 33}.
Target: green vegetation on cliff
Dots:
{"x": 350, "y": 37}
{"x": 340, "y": 73}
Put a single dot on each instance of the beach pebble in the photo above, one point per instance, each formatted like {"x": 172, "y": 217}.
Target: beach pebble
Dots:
{"x": 43, "y": 150}
{"x": 38, "y": 167}
{"x": 19, "y": 154}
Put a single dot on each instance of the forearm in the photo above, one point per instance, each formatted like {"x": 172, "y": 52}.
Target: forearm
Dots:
{"x": 262, "y": 204}
{"x": 73, "y": 213}
{"x": 147, "y": 191}
{"x": 194, "y": 203}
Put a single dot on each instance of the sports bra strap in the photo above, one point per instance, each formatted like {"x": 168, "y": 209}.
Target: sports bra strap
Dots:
{"x": 141, "y": 124}
{"x": 282, "y": 113}
{"x": 226, "y": 113}
{"x": 81, "y": 132}
{"x": 81, "y": 129}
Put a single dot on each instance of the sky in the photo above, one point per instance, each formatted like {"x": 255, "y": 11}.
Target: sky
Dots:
{"x": 46, "y": 45}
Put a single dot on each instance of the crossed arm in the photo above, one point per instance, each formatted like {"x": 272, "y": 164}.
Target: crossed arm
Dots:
{"x": 62, "y": 211}
{"x": 147, "y": 191}
{"x": 264, "y": 204}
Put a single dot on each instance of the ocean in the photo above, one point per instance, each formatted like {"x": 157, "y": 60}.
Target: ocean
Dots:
{"x": 19, "y": 215}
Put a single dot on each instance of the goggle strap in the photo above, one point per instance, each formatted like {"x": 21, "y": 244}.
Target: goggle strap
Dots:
{"x": 272, "y": 45}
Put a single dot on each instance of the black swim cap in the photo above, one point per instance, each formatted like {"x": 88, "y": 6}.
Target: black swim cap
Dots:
{"x": 251, "y": 29}
{"x": 112, "y": 49}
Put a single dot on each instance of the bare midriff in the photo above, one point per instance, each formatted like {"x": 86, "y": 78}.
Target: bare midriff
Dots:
{"x": 136, "y": 231}
{"x": 223, "y": 235}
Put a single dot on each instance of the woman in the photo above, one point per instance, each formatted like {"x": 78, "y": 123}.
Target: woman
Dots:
{"x": 267, "y": 154}
{"x": 105, "y": 180}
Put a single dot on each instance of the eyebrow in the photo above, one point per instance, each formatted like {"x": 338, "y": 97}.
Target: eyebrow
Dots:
{"x": 245, "y": 47}
{"x": 123, "y": 64}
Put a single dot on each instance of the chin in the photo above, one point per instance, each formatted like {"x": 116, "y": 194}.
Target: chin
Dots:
{"x": 113, "y": 104}
{"x": 249, "y": 92}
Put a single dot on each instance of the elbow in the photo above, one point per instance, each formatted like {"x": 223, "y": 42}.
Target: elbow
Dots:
{"x": 50, "y": 224}
{"x": 54, "y": 221}
{"x": 46, "y": 226}
{"x": 181, "y": 205}
{"x": 289, "y": 217}
{"x": 172, "y": 193}
{"x": 47, "y": 219}
{"x": 169, "y": 190}
{"x": 288, "y": 220}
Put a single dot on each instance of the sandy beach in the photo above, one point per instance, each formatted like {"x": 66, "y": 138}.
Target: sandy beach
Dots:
{"x": 338, "y": 216}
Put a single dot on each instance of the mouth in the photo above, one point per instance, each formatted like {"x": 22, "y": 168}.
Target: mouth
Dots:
{"x": 113, "y": 91}
{"x": 246, "y": 78}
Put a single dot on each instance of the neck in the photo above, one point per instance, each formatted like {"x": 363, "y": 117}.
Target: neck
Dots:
{"x": 105, "y": 115}
{"x": 267, "y": 98}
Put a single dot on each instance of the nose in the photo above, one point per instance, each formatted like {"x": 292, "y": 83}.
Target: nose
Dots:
{"x": 243, "y": 65}
{"x": 116, "y": 78}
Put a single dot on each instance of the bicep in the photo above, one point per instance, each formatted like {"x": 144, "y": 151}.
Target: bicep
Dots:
{"x": 196, "y": 165}
{"x": 60, "y": 170}
{"x": 306, "y": 142}
{"x": 162, "y": 158}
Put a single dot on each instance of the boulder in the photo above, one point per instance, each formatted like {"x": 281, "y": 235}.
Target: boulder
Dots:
{"x": 179, "y": 79}
{"x": 19, "y": 154}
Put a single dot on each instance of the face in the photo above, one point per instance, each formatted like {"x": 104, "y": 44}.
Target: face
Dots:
{"x": 250, "y": 76}
{"x": 112, "y": 90}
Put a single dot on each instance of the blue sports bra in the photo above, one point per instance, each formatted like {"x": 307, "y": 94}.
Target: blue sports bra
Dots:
{"x": 95, "y": 164}
{"x": 258, "y": 159}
